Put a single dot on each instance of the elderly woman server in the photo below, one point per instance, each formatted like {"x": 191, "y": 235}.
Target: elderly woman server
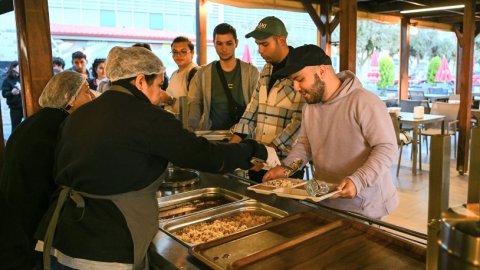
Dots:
{"x": 106, "y": 214}
{"x": 27, "y": 178}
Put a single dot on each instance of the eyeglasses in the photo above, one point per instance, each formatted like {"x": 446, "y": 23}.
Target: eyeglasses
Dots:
{"x": 180, "y": 53}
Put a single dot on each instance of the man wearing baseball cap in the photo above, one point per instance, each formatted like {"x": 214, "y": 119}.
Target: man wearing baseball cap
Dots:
{"x": 347, "y": 133}
{"x": 273, "y": 115}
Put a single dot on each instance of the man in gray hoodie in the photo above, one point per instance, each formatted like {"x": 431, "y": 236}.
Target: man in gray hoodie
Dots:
{"x": 346, "y": 131}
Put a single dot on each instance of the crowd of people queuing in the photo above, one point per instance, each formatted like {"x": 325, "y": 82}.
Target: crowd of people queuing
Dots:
{"x": 80, "y": 175}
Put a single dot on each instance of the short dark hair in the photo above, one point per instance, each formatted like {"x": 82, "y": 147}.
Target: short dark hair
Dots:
{"x": 13, "y": 65}
{"x": 225, "y": 28}
{"x": 143, "y": 45}
{"x": 59, "y": 62}
{"x": 183, "y": 39}
{"x": 95, "y": 64}
{"x": 79, "y": 54}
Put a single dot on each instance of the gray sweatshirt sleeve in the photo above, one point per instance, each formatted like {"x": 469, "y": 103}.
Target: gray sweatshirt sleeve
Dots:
{"x": 378, "y": 130}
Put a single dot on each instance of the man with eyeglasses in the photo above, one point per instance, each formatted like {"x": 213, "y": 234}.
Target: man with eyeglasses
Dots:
{"x": 223, "y": 87}
{"x": 182, "y": 54}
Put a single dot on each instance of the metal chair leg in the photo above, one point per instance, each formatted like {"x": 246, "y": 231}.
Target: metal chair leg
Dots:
{"x": 399, "y": 159}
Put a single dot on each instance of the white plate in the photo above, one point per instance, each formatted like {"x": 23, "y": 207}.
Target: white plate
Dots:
{"x": 301, "y": 194}
{"x": 214, "y": 137}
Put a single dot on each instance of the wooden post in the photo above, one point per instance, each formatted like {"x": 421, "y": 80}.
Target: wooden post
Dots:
{"x": 438, "y": 192}
{"x": 326, "y": 36}
{"x": 34, "y": 50}
{"x": 201, "y": 29}
{"x": 458, "y": 74}
{"x": 404, "y": 56}
{"x": 466, "y": 86}
{"x": 348, "y": 35}
{"x": 474, "y": 175}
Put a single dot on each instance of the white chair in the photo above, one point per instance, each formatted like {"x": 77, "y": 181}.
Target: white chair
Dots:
{"x": 450, "y": 111}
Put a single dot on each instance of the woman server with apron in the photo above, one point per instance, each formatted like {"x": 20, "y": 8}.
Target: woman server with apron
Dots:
{"x": 106, "y": 215}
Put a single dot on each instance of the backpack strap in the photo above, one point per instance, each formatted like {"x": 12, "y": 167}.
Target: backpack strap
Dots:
{"x": 191, "y": 73}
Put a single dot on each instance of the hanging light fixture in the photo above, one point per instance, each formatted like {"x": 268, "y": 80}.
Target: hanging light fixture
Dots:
{"x": 431, "y": 9}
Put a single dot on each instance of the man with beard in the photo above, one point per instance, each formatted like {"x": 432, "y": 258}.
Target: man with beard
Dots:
{"x": 346, "y": 131}
{"x": 274, "y": 113}
{"x": 222, "y": 88}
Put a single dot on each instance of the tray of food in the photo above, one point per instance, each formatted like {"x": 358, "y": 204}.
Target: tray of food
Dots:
{"x": 300, "y": 193}
{"x": 214, "y": 135}
{"x": 309, "y": 241}
{"x": 269, "y": 187}
{"x": 196, "y": 200}
{"x": 223, "y": 253}
{"x": 215, "y": 223}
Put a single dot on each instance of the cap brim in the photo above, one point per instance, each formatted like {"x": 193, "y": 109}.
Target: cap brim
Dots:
{"x": 258, "y": 35}
{"x": 289, "y": 70}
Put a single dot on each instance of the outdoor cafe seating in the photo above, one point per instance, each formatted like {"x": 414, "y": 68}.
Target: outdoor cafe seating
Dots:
{"x": 450, "y": 110}
{"x": 416, "y": 95}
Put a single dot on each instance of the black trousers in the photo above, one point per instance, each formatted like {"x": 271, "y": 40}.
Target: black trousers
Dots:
{"x": 16, "y": 116}
{"x": 257, "y": 176}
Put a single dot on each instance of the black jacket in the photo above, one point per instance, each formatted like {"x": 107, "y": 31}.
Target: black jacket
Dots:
{"x": 119, "y": 143}
{"x": 13, "y": 101}
{"x": 27, "y": 177}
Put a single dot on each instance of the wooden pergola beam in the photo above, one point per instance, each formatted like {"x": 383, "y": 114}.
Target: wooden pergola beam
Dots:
{"x": 348, "y": 35}
{"x": 201, "y": 32}
{"x": 404, "y": 56}
{"x": 34, "y": 50}
{"x": 466, "y": 86}
{"x": 326, "y": 36}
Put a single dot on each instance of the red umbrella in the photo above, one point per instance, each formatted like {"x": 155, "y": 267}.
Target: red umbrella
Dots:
{"x": 444, "y": 74}
{"x": 246, "y": 57}
{"x": 373, "y": 72}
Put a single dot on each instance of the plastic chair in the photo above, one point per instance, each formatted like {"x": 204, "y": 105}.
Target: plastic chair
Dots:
{"x": 450, "y": 110}
{"x": 417, "y": 95}
{"x": 403, "y": 138}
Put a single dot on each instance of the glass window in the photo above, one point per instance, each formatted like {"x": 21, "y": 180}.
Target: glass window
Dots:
{"x": 55, "y": 15}
{"x": 188, "y": 23}
{"x": 156, "y": 21}
{"x": 141, "y": 20}
{"x": 107, "y": 18}
{"x": 124, "y": 19}
{"x": 172, "y": 23}
{"x": 71, "y": 16}
{"x": 90, "y": 17}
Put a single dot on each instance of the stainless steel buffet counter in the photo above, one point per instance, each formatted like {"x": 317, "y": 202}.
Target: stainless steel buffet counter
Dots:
{"x": 167, "y": 253}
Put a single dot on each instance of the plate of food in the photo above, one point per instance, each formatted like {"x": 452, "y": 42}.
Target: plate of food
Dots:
{"x": 301, "y": 193}
{"x": 269, "y": 187}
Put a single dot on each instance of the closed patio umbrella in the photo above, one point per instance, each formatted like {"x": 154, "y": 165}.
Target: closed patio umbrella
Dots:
{"x": 373, "y": 72}
{"x": 444, "y": 74}
{"x": 246, "y": 57}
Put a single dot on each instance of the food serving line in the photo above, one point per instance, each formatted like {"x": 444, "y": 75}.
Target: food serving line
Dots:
{"x": 312, "y": 235}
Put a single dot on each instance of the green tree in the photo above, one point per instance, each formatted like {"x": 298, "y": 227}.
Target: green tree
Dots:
{"x": 433, "y": 68}
{"x": 385, "y": 64}
{"x": 372, "y": 35}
